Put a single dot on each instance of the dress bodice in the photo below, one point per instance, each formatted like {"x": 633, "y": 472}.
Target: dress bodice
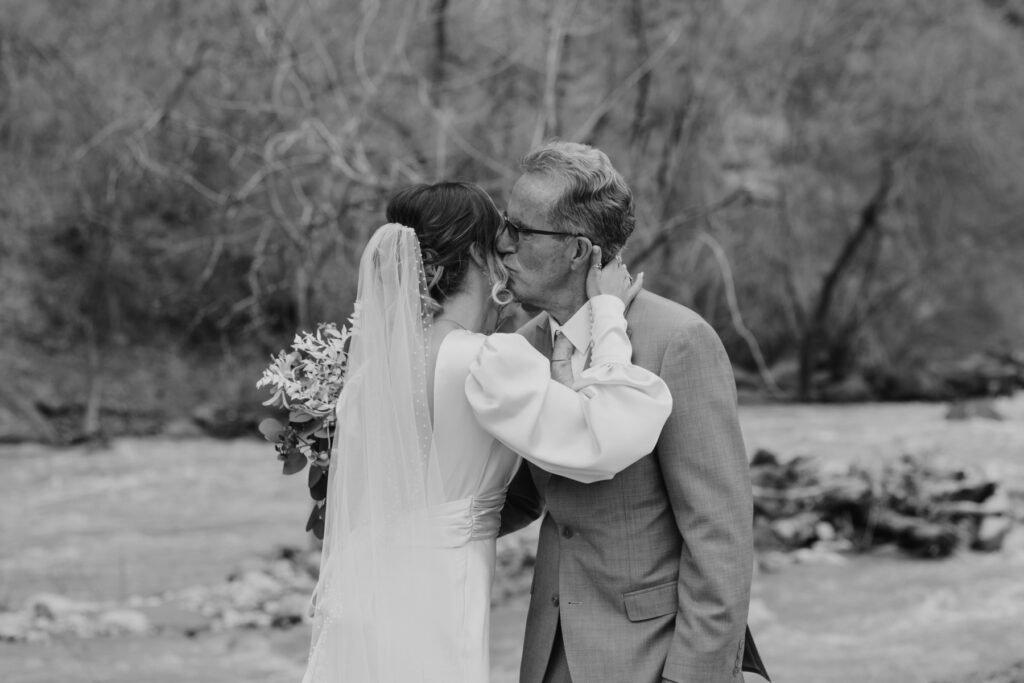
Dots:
{"x": 475, "y": 468}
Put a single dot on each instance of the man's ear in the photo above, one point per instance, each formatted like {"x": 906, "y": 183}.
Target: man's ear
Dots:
{"x": 581, "y": 255}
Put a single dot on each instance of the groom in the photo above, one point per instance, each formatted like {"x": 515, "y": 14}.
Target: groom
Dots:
{"x": 645, "y": 577}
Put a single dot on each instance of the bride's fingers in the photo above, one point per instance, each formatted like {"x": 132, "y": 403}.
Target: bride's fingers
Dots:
{"x": 635, "y": 288}
{"x": 612, "y": 278}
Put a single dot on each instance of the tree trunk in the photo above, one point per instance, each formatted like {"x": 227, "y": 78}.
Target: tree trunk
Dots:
{"x": 437, "y": 79}
{"x": 91, "y": 420}
{"x": 815, "y": 334}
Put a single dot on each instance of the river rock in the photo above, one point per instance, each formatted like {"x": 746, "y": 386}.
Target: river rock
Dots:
{"x": 56, "y": 607}
{"x": 125, "y": 621}
{"x": 253, "y": 588}
{"x": 818, "y": 554}
{"x": 14, "y": 626}
{"x": 288, "y": 610}
{"x": 992, "y": 532}
{"x": 796, "y": 531}
{"x": 171, "y": 618}
{"x": 249, "y": 618}
{"x": 997, "y": 504}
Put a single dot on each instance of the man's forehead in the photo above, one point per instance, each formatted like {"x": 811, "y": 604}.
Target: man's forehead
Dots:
{"x": 537, "y": 190}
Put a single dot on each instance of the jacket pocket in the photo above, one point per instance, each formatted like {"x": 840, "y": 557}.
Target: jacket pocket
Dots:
{"x": 650, "y": 603}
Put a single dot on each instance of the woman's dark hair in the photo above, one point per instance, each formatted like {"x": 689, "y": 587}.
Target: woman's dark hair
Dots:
{"x": 449, "y": 218}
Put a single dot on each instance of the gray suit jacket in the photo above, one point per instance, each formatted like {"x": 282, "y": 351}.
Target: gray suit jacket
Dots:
{"x": 649, "y": 572}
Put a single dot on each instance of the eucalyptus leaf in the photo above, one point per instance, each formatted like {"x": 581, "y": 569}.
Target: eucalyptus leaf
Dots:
{"x": 294, "y": 461}
{"x": 319, "y": 490}
{"x": 271, "y": 429}
{"x": 315, "y": 523}
{"x": 315, "y": 475}
{"x": 308, "y": 428}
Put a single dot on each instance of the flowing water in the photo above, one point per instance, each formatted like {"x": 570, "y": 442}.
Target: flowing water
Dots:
{"x": 149, "y": 515}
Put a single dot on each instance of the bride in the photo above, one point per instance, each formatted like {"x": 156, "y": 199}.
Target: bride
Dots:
{"x": 432, "y": 422}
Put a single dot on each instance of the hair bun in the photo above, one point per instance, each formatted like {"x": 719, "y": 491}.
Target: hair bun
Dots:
{"x": 433, "y": 273}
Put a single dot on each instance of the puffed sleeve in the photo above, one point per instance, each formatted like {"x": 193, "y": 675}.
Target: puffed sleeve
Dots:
{"x": 609, "y": 419}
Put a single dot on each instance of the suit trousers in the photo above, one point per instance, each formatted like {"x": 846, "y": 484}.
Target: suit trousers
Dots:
{"x": 558, "y": 665}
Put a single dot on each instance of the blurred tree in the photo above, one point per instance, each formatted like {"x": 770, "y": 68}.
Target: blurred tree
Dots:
{"x": 838, "y": 186}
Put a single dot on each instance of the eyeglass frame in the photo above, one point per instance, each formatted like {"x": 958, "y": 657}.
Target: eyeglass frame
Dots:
{"x": 514, "y": 230}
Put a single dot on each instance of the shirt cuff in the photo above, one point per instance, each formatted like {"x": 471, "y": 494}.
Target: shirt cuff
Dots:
{"x": 611, "y": 344}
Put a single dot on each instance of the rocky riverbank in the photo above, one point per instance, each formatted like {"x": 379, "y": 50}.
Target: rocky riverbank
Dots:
{"x": 184, "y": 532}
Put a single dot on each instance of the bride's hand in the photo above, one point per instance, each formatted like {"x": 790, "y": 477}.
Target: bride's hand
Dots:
{"x": 613, "y": 279}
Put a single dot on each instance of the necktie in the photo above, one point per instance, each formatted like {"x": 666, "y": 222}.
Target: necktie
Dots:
{"x": 561, "y": 359}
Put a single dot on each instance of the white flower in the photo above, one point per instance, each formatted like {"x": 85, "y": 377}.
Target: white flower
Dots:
{"x": 307, "y": 379}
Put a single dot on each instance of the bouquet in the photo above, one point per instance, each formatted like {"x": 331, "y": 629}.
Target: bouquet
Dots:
{"x": 306, "y": 381}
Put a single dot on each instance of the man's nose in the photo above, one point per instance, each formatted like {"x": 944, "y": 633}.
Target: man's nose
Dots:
{"x": 505, "y": 244}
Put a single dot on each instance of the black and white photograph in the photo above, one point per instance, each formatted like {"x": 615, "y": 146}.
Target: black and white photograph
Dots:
{"x": 512, "y": 341}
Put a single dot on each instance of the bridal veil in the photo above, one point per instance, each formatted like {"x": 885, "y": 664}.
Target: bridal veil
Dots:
{"x": 380, "y": 589}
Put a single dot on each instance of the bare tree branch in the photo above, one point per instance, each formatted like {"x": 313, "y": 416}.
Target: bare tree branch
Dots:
{"x": 585, "y": 129}
{"x": 141, "y": 156}
{"x": 669, "y": 227}
{"x": 869, "y": 222}
{"x": 638, "y": 26}
{"x": 370, "y": 10}
{"x": 547, "y": 118}
{"x": 734, "y": 310}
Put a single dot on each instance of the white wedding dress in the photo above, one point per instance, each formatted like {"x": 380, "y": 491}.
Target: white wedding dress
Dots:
{"x": 406, "y": 596}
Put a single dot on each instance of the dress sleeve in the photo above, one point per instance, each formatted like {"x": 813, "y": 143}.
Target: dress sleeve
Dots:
{"x": 610, "y": 418}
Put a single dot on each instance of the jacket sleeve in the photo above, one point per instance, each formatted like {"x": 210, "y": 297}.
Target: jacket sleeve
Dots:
{"x": 523, "y": 502}
{"x": 705, "y": 468}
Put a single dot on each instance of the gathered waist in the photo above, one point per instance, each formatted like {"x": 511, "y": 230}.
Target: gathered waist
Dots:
{"x": 457, "y": 522}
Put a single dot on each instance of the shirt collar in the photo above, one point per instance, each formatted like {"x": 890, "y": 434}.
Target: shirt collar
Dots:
{"x": 577, "y": 328}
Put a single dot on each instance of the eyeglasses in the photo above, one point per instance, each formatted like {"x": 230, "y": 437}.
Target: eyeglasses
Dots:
{"x": 515, "y": 230}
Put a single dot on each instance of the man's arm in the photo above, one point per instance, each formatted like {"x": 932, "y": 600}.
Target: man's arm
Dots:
{"x": 523, "y": 502}
{"x": 704, "y": 463}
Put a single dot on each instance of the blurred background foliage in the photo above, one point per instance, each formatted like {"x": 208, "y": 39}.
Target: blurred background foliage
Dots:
{"x": 838, "y": 185}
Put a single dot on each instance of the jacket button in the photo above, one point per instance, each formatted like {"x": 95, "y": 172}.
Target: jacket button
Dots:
{"x": 566, "y": 532}
{"x": 554, "y": 600}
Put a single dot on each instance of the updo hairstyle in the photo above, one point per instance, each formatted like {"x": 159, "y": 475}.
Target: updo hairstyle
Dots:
{"x": 451, "y": 218}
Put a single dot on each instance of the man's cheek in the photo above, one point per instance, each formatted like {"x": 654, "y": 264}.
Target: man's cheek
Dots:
{"x": 530, "y": 261}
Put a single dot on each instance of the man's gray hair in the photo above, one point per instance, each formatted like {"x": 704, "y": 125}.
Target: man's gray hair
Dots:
{"x": 596, "y": 200}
